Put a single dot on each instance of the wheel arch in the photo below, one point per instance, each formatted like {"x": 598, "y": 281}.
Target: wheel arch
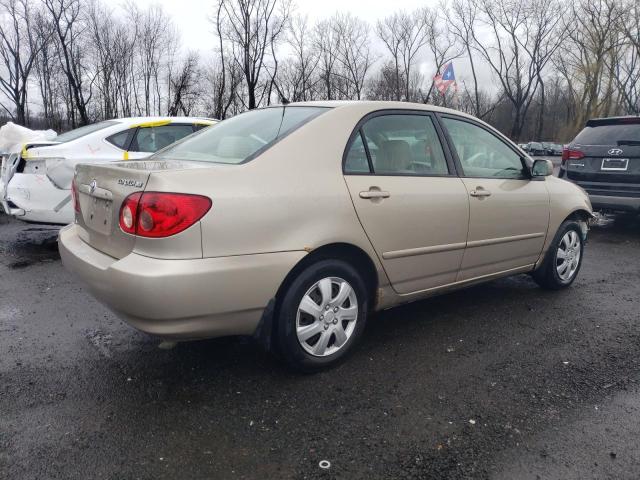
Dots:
{"x": 347, "y": 252}
{"x": 579, "y": 214}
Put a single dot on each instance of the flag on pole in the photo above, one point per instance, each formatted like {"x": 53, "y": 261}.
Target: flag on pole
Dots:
{"x": 444, "y": 81}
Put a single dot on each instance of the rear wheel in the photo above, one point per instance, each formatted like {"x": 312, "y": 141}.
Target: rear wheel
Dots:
{"x": 564, "y": 258}
{"x": 321, "y": 316}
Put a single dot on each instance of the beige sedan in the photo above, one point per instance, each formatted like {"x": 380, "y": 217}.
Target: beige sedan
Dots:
{"x": 292, "y": 223}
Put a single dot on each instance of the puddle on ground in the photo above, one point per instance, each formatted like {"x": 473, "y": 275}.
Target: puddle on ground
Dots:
{"x": 23, "y": 245}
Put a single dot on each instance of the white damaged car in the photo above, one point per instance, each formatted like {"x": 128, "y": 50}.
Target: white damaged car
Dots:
{"x": 35, "y": 182}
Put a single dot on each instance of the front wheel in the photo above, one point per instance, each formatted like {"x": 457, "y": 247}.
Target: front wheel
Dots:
{"x": 564, "y": 258}
{"x": 321, "y": 316}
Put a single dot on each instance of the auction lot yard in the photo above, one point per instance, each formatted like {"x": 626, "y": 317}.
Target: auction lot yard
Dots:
{"x": 502, "y": 380}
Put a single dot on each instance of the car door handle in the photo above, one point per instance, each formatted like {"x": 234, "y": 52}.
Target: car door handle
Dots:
{"x": 480, "y": 192}
{"x": 375, "y": 194}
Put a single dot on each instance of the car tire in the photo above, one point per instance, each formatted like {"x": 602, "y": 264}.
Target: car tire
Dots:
{"x": 313, "y": 336}
{"x": 563, "y": 259}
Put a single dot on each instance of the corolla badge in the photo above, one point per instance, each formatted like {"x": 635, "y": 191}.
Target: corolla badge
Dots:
{"x": 129, "y": 182}
{"x": 93, "y": 185}
{"x": 615, "y": 151}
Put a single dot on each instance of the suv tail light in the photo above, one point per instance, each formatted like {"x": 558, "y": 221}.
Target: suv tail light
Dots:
{"x": 159, "y": 214}
{"x": 74, "y": 196}
{"x": 570, "y": 154}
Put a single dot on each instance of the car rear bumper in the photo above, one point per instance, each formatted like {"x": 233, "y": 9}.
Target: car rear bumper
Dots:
{"x": 180, "y": 299}
{"x": 606, "y": 202}
{"x": 609, "y": 195}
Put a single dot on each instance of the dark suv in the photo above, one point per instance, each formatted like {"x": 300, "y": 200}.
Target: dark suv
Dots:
{"x": 604, "y": 159}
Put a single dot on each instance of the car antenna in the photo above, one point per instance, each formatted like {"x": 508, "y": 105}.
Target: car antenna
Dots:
{"x": 284, "y": 101}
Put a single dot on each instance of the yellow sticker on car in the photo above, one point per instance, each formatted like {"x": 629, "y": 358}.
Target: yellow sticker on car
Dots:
{"x": 154, "y": 123}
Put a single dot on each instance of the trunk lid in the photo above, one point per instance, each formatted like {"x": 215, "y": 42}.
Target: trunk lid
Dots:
{"x": 101, "y": 190}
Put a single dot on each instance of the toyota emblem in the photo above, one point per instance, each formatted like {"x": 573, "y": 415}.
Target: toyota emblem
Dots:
{"x": 615, "y": 151}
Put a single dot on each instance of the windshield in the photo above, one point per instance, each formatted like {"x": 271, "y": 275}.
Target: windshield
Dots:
{"x": 82, "y": 131}
{"x": 242, "y": 137}
{"x": 609, "y": 135}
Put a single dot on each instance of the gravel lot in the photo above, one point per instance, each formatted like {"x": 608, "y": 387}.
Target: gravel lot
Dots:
{"x": 502, "y": 380}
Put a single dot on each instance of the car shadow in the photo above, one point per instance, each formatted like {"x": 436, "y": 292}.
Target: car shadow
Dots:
{"x": 23, "y": 245}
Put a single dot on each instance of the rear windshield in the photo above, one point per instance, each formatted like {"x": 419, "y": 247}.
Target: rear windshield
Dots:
{"x": 609, "y": 135}
{"x": 242, "y": 137}
{"x": 82, "y": 131}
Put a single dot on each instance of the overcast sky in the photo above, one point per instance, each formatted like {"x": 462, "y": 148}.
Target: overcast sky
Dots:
{"x": 191, "y": 18}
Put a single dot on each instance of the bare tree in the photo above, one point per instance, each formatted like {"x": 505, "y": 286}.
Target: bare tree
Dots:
{"x": 155, "y": 43}
{"x": 251, "y": 27}
{"x": 354, "y": 53}
{"x": 224, "y": 76}
{"x": 300, "y": 71}
{"x": 595, "y": 31}
{"x": 185, "y": 86}
{"x": 404, "y": 34}
{"x": 45, "y": 70}
{"x": 462, "y": 21}
{"x": 626, "y": 64}
{"x": 69, "y": 29}
{"x": 523, "y": 40}
{"x": 327, "y": 42}
{"x": 20, "y": 45}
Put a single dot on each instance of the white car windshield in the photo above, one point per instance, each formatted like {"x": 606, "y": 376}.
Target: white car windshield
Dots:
{"x": 82, "y": 131}
{"x": 241, "y": 138}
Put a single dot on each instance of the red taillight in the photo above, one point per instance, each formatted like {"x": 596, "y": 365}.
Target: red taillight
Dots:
{"x": 570, "y": 154}
{"x": 158, "y": 214}
{"x": 74, "y": 196}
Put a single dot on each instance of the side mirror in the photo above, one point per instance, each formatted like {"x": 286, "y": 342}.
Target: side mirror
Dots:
{"x": 541, "y": 168}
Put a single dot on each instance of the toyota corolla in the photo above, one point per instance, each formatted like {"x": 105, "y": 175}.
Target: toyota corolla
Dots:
{"x": 292, "y": 223}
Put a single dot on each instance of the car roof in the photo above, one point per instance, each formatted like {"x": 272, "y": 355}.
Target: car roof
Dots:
{"x": 150, "y": 120}
{"x": 594, "y": 122}
{"x": 374, "y": 105}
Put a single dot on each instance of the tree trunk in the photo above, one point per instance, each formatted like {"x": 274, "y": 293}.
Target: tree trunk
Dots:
{"x": 540, "y": 125}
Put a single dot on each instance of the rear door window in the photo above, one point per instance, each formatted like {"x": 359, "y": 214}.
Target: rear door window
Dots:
{"x": 399, "y": 144}
{"x": 152, "y": 139}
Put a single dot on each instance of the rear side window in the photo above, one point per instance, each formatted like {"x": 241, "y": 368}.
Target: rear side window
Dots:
{"x": 399, "y": 144}
{"x": 152, "y": 139}
{"x": 242, "y": 137}
{"x": 609, "y": 135}
{"x": 120, "y": 139}
{"x": 356, "y": 161}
